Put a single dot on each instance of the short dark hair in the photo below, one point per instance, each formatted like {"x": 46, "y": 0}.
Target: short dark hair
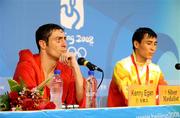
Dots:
{"x": 44, "y": 32}
{"x": 140, "y": 33}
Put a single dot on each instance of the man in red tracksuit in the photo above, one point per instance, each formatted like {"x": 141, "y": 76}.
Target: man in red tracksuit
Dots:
{"x": 36, "y": 68}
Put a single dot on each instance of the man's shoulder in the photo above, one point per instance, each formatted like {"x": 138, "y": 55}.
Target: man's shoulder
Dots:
{"x": 125, "y": 61}
{"x": 25, "y": 54}
{"x": 25, "y": 51}
{"x": 27, "y": 58}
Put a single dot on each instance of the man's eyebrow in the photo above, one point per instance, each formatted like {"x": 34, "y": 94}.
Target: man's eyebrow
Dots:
{"x": 151, "y": 41}
{"x": 59, "y": 37}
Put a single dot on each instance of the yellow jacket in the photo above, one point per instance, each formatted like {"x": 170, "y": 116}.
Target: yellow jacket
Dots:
{"x": 125, "y": 75}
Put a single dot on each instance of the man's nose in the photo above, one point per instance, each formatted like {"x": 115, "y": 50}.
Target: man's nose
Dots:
{"x": 64, "y": 42}
{"x": 153, "y": 48}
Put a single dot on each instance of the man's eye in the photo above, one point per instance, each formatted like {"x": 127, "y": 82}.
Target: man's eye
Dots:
{"x": 58, "y": 40}
{"x": 148, "y": 43}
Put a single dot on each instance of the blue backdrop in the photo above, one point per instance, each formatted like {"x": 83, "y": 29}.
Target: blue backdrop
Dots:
{"x": 99, "y": 30}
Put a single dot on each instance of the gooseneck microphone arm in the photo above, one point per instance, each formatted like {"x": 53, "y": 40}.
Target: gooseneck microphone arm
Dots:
{"x": 101, "y": 79}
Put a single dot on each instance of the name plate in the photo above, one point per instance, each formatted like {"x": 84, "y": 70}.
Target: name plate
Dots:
{"x": 169, "y": 95}
{"x": 142, "y": 95}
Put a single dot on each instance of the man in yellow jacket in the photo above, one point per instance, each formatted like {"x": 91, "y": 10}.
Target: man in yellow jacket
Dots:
{"x": 137, "y": 69}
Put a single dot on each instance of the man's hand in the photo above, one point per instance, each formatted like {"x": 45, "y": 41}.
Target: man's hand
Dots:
{"x": 68, "y": 58}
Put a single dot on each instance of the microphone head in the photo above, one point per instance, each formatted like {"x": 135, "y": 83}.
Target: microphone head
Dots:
{"x": 177, "y": 66}
{"x": 84, "y": 62}
{"x": 81, "y": 61}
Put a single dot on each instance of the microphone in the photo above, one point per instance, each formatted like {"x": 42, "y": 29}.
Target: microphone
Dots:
{"x": 84, "y": 62}
{"x": 177, "y": 66}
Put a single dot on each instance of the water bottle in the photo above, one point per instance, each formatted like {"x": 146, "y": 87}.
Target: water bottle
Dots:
{"x": 56, "y": 89}
{"x": 91, "y": 90}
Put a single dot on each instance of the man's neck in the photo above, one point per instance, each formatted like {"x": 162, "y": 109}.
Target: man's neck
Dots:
{"x": 47, "y": 63}
{"x": 140, "y": 59}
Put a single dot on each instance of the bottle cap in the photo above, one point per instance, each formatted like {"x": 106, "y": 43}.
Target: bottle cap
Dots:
{"x": 57, "y": 72}
{"x": 91, "y": 72}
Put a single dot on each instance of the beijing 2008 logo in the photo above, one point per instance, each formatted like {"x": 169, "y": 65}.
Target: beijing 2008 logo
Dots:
{"x": 72, "y": 14}
{"x": 72, "y": 17}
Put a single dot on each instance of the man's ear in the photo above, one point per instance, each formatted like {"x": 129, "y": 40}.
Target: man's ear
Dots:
{"x": 136, "y": 44}
{"x": 42, "y": 44}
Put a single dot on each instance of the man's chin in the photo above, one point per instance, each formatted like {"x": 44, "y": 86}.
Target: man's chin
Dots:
{"x": 63, "y": 51}
{"x": 149, "y": 58}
